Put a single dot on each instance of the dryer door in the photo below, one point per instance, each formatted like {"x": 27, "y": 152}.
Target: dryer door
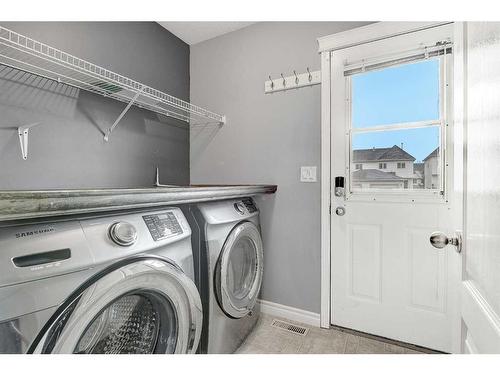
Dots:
{"x": 238, "y": 274}
{"x": 139, "y": 305}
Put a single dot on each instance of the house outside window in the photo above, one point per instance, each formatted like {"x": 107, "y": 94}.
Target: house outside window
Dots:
{"x": 358, "y": 166}
{"x": 382, "y": 175}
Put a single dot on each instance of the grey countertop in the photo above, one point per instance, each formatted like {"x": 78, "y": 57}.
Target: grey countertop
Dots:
{"x": 16, "y": 205}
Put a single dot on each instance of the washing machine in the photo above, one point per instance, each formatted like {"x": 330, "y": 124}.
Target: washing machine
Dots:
{"x": 111, "y": 284}
{"x": 228, "y": 255}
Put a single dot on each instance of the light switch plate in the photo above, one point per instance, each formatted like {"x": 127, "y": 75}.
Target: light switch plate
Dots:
{"x": 308, "y": 174}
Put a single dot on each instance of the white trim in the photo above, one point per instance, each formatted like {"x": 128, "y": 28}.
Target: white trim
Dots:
{"x": 422, "y": 53}
{"x": 479, "y": 316}
{"x": 371, "y": 33}
{"x": 398, "y": 126}
{"x": 325, "y": 190}
{"x": 396, "y": 196}
{"x": 291, "y": 313}
{"x": 459, "y": 340}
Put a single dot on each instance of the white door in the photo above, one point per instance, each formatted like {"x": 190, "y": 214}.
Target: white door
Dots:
{"x": 481, "y": 285}
{"x": 393, "y": 143}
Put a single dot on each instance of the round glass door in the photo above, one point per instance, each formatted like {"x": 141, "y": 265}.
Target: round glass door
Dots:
{"x": 238, "y": 275}
{"x": 136, "y": 323}
{"x": 144, "y": 307}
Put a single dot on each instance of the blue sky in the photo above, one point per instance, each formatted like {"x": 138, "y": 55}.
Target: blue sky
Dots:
{"x": 404, "y": 93}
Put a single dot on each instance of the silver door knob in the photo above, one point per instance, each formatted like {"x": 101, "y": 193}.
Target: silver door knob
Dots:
{"x": 439, "y": 240}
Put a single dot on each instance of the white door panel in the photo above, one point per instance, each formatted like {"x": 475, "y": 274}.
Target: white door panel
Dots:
{"x": 387, "y": 279}
{"x": 480, "y": 292}
{"x": 394, "y": 283}
{"x": 364, "y": 261}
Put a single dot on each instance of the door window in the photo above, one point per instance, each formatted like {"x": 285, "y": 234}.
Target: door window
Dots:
{"x": 396, "y": 127}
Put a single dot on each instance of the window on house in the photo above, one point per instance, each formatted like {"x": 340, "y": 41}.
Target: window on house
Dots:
{"x": 358, "y": 166}
{"x": 397, "y": 113}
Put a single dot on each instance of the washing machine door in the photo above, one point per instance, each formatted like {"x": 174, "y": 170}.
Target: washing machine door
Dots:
{"x": 238, "y": 274}
{"x": 137, "y": 306}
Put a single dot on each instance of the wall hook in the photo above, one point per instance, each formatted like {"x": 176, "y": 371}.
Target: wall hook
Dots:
{"x": 23, "y": 132}
{"x": 272, "y": 83}
{"x": 310, "y": 77}
{"x": 284, "y": 80}
{"x": 296, "y": 78}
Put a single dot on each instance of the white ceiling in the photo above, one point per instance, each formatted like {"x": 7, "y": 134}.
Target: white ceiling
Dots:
{"x": 196, "y": 32}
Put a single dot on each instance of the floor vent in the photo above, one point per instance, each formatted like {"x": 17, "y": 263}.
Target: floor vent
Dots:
{"x": 298, "y": 330}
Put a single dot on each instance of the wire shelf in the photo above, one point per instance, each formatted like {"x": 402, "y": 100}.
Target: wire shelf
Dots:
{"x": 23, "y": 53}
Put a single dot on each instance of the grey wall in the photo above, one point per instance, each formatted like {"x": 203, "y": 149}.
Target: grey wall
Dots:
{"x": 266, "y": 140}
{"x": 67, "y": 150}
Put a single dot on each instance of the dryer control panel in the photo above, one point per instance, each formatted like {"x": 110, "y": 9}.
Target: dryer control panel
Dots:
{"x": 162, "y": 225}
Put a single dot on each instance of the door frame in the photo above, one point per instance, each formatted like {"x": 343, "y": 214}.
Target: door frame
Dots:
{"x": 328, "y": 44}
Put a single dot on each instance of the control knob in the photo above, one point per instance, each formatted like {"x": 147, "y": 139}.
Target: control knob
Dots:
{"x": 240, "y": 207}
{"x": 123, "y": 233}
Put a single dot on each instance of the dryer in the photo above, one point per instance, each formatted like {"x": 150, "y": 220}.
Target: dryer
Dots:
{"x": 113, "y": 284}
{"x": 228, "y": 254}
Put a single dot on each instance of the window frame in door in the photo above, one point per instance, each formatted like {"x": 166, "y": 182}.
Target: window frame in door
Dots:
{"x": 445, "y": 116}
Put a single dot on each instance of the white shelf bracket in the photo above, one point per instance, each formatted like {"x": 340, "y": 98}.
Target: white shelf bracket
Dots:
{"x": 23, "y": 132}
{"x": 157, "y": 182}
{"x": 130, "y": 104}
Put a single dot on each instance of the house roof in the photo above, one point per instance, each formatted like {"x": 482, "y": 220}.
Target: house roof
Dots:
{"x": 381, "y": 154}
{"x": 433, "y": 154}
{"x": 374, "y": 174}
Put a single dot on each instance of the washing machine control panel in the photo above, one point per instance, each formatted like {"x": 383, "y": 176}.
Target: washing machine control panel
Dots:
{"x": 162, "y": 225}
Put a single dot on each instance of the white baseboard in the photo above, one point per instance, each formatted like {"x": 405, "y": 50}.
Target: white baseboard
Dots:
{"x": 288, "y": 312}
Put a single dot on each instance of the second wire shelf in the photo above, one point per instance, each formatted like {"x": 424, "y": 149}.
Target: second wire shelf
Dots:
{"x": 23, "y": 53}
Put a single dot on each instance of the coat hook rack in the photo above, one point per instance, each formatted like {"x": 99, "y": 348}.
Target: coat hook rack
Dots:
{"x": 23, "y": 132}
{"x": 294, "y": 81}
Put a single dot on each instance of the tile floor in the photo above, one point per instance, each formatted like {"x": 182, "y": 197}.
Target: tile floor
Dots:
{"x": 266, "y": 339}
